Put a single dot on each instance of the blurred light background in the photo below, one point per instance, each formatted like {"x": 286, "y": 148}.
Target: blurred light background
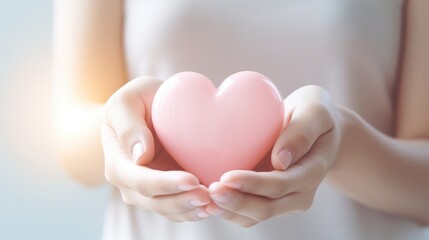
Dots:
{"x": 37, "y": 199}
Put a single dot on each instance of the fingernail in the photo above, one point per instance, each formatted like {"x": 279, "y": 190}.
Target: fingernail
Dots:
{"x": 197, "y": 203}
{"x": 234, "y": 185}
{"x": 220, "y": 198}
{"x": 284, "y": 158}
{"x": 217, "y": 211}
{"x": 138, "y": 150}
{"x": 186, "y": 187}
{"x": 202, "y": 214}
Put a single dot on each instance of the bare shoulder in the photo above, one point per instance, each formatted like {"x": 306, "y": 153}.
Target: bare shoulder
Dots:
{"x": 413, "y": 89}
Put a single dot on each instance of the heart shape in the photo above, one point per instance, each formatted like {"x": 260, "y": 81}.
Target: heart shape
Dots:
{"x": 210, "y": 131}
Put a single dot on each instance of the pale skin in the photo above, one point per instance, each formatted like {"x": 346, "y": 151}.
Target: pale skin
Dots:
{"x": 388, "y": 173}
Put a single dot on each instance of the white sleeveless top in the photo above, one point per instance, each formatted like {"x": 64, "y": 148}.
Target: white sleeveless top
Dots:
{"x": 349, "y": 47}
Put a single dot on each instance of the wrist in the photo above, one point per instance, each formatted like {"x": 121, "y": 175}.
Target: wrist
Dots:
{"x": 348, "y": 122}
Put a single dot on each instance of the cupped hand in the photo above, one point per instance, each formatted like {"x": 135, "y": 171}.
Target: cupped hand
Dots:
{"x": 301, "y": 157}
{"x": 137, "y": 164}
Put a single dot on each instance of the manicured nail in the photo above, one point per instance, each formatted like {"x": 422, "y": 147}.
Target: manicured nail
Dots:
{"x": 138, "y": 150}
{"x": 233, "y": 185}
{"x": 197, "y": 203}
{"x": 220, "y": 198}
{"x": 186, "y": 187}
{"x": 202, "y": 214}
{"x": 284, "y": 158}
{"x": 217, "y": 211}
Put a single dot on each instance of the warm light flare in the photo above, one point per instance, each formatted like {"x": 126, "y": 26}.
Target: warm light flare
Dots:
{"x": 78, "y": 142}
{"x": 72, "y": 120}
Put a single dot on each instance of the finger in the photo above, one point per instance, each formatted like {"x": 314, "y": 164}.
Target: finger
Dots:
{"x": 296, "y": 202}
{"x": 128, "y": 112}
{"x": 274, "y": 184}
{"x": 181, "y": 202}
{"x": 150, "y": 183}
{"x": 132, "y": 197}
{"x": 193, "y": 215}
{"x": 259, "y": 208}
{"x": 308, "y": 121}
{"x": 302, "y": 176}
{"x": 233, "y": 217}
{"x": 251, "y": 206}
{"x": 121, "y": 171}
{"x": 168, "y": 204}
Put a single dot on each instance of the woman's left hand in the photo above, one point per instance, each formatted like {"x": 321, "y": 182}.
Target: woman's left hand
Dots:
{"x": 301, "y": 157}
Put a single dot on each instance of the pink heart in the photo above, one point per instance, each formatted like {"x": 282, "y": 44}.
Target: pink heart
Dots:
{"x": 208, "y": 131}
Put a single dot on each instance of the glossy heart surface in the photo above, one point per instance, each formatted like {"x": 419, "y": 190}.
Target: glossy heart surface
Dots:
{"x": 210, "y": 131}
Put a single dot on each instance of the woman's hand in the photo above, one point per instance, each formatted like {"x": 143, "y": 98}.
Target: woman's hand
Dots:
{"x": 302, "y": 156}
{"x": 137, "y": 164}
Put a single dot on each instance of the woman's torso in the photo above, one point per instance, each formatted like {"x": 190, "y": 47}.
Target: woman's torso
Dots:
{"x": 349, "y": 47}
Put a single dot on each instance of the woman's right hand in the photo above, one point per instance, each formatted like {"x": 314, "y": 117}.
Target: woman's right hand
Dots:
{"x": 138, "y": 165}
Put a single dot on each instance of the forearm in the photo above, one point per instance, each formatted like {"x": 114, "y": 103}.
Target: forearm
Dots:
{"x": 382, "y": 172}
{"x": 88, "y": 67}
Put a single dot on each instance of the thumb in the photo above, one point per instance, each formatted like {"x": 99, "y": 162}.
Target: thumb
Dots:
{"x": 128, "y": 111}
{"x": 141, "y": 144}
{"x": 308, "y": 122}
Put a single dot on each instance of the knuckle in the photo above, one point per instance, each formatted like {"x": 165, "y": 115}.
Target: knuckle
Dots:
{"x": 279, "y": 191}
{"x": 301, "y": 140}
{"x": 322, "y": 111}
{"x": 317, "y": 107}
